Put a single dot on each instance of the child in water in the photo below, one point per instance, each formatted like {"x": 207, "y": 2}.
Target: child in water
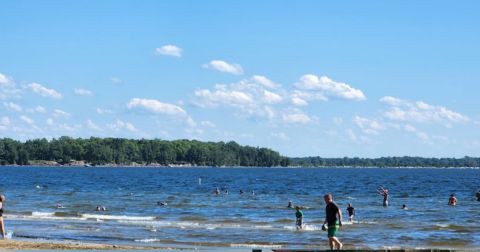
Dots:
{"x": 351, "y": 212}
{"x": 299, "y": 217}
{"x": 452, "y": 201}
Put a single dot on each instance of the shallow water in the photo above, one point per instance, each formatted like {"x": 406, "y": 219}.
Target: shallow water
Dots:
{"x": 196, "y": 217}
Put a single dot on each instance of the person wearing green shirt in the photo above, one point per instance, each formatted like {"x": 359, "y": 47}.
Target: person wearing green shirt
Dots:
{"x": 299, "y": 217}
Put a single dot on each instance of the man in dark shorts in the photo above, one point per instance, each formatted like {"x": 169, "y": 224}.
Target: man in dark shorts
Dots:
{"x": 333, "y": 219}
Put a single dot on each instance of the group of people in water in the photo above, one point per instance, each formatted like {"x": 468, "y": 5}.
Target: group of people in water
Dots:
{"x": 333, "y": 214}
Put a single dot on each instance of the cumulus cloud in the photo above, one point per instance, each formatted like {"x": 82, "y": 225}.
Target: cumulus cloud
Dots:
{"x": 83, "y": 92}
{"x": 43, "y": 91}
{"x": 40, "y": 109}
{"x": 121, "y": 125}
{"x": 157, "y": 107}
{"x": 27, "y": 119}
{"x": 208, "y": 124}
{"x": 8, "y": 88}
{"x": 4, "y": 123}
{"x": 223, "y": 66}
{"x": 91, "y": 125}
{"x": 264, "y": 81}
{"x": 421, "y": 135}
{"x": 368, "y": 126}
{"x": 12, "y": 106}
{"x": 60, "y": 113}
{"x": 169, "y": 50}
{"x": 312, "y": 87}
{"x": 403, "y": 110}
{"x": 250, "y": 96}
{"x": 296, "y": 117}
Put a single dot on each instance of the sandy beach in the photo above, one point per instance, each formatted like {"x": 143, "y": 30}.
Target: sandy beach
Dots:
{"x": 20, "y": 245}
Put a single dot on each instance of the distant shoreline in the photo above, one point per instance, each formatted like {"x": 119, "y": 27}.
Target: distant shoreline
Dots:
{"x": 230, "y": 167}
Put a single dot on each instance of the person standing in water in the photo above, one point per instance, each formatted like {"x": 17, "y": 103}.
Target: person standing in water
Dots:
{"x": 2, "y": 226}
{"x": 351, "y": 212}
{"x": 333, "y": 219}
{"x": 299, "y": 218}
{"x": 478, "y": 195}
{"x": 384, "y": 192}
{"x": 452, "y": 201}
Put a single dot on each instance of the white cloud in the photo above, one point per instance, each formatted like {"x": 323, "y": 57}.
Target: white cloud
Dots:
{"x": 222, "y": 95}
{"x": 60, "y": 113}
{"x": 12, "y": 106}
{"x": 251, "y": 98}
{"x": 8, "y": 88}
{"x": 368, "y": 126}
{"x": 40, "y": 109}
{"x": 392, "y": 101}
{"x": 120, "y": 125}
{"x": 4, "y": 122}
{"x": 421, "y": 135}
{"x": 223, "y": 66}
{"x": 402, "y": 110}
{"x": 83, "y": 92}
{"x": 208, "y": 124}
{"x": 43, "y": 91}
{"x": 357, "y": 139}
{"x": 102, "y": 111}
{"x": 169, "y": 50}
{"x": 156, "y": 106}
{"x": 50, "y": 122}
{"x": 27, "y": 119}
{"x": 280, "y": 135}
{"x": 264, "y": 81}
{"x": 115, "y": 80}
{"x": 271, "y": 97}
{"x": 325, "y": 87}
{"x": 91, "y": 125}
{"x": 3, "y": 79}
{"x": 296, "y": 116}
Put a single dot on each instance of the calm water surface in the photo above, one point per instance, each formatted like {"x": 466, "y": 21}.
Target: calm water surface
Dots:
{"x": 195, "y": 217}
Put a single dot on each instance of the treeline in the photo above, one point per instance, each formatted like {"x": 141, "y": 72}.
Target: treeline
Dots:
{"x": 121, "y": 151}
{"x": 385, "y": 162}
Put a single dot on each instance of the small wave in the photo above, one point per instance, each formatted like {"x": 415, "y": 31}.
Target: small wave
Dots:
{"x": 118, "y": 217}
{"x": 148, "y": 240}
{"x": 246, "y": 245}
{"x": 43, "y": 214}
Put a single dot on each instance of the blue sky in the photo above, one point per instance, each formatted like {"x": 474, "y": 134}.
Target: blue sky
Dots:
{"x": 342, "y": 78}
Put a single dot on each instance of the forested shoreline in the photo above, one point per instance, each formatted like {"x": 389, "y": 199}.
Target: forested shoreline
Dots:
{"x": 120, "y": 151}
{"x": 130, "y": 152}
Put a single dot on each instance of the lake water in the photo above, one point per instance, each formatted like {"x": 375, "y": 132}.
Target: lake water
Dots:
{"x": 195, "y": 217}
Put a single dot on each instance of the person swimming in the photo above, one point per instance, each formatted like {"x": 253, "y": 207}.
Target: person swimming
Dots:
{"x": 404, "y": 207}
{"x": 478, "y": 195}
{"x": 452, "y": 201}
{"x": 241, "y": 191}
{"x": 162, "y": 203}
{"x": 217, "y": 191}
{"x": 290, "y": 205}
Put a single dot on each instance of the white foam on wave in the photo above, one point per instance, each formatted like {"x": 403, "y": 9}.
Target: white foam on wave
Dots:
{"x": 118, "y": 217}
{"x": 43, "y": 216}
{"x": 148, "y": 240}
{"x": 246, "y": 245}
